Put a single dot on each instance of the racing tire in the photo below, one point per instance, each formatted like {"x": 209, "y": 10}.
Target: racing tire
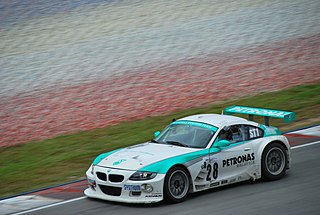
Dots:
{"x": 176, "y": 185}
{"x": 274, "y": 162}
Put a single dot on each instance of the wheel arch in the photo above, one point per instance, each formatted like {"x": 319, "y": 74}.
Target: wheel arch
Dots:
{"x": 281, "y": 143}
{"x": 279, "y": 139}
{"x": 173, "y": 168}
{"x": 182, "y": 166}
{"x": 282, "y": 140}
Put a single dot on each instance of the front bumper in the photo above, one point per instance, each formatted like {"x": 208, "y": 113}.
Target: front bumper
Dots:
{"x": 126, "y": 190}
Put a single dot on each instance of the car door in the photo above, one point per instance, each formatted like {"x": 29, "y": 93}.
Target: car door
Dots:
{"x": 238, "y": 157}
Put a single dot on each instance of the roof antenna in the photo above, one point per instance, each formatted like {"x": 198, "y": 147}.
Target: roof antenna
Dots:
{"x": 222, "y": 112}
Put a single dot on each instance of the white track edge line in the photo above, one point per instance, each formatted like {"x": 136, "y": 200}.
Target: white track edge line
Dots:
{"x": 304, "y": 145}
{"x": 49, "y": 206}
{"x": 83, "y": 197}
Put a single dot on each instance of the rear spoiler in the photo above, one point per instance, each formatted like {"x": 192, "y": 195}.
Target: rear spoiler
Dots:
{"x": 287, "y": 116}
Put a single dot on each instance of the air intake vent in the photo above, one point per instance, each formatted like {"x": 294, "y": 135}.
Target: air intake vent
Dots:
{"x": 112, "y": 191}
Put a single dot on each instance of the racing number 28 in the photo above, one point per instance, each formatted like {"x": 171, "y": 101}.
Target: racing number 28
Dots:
{"x": 214, "y": 169}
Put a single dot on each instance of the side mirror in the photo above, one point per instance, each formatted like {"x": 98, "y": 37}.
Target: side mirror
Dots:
{"x": 157, "y": 133}
{"x": 223, "y": 143}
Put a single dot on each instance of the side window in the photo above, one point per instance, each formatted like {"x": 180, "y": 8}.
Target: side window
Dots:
{"x": 234, "y": 134}
{"x": 252, "y": 132}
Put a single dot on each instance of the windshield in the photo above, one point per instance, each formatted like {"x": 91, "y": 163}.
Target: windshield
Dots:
{"x": 187, "y": 134}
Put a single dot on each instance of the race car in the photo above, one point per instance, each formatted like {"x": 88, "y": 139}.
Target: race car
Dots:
{"x": 192, "y": 154}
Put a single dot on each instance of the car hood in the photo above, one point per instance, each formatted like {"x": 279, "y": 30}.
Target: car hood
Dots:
{"x": 139, "y": 156}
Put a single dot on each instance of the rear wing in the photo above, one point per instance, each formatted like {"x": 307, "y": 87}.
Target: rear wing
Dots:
{"x": 287, "y": 116}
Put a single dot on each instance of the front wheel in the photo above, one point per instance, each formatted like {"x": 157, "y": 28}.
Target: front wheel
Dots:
{"x": 176, "y": 185}
{"x": 274, "y": 162}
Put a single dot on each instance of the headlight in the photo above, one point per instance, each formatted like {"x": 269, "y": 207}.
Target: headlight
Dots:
{"x": 141, "y": 176}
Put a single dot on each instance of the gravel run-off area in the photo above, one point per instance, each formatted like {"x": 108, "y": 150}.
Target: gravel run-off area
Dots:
{"x": 90, "y": 64}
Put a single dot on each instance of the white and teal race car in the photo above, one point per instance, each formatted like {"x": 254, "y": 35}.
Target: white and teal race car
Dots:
{"x": 192, "y": 154}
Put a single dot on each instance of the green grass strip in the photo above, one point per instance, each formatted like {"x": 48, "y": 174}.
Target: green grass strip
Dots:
{"x": 65, "y": 158}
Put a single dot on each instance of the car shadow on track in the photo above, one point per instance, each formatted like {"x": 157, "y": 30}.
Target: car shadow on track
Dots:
{"x": 192, "y": 196}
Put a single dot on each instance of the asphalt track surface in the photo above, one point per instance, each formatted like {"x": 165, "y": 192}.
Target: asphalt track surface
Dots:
{"x": 297, "y": 193}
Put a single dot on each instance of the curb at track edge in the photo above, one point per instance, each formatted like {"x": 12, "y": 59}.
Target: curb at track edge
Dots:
{"x": 298, "y": 129}
{"x": 42, "y": 189}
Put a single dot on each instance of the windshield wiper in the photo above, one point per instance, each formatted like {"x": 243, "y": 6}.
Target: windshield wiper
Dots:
{"x": 177, "y": 143}
{"x": 154, "y": 141}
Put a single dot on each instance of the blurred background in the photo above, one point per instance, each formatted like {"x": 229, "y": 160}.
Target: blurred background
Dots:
{"x": 74, "y": 65}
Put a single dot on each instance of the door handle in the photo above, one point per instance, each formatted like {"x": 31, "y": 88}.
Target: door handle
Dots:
{"x": 247, "y": 149}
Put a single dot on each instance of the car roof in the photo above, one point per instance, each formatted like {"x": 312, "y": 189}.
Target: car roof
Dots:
{"x": 217, "y": 120}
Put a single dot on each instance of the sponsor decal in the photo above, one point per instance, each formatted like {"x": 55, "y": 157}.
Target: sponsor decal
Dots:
{"x": 154, "y": 195}
{"x": 242, "y": 160}
{"x": 200, "y": 187}
{"x": 204, "y": 165}
{"x": 254, "y": 132}
{"x": 286, "y": 115}
{"x": 198, "y": 124}
{"x": 118, "y": 162}
{"x": 132, "y": 187}
{"x": 207, "y": 161}
{"x": 233, "y": 180}
{"x": 214, "y": 184}
{"x": 224, "y": 181}
{"x": 258, "y": 111}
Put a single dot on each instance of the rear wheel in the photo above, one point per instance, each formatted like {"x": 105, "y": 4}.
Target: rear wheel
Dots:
{"x": 176, "y": 185}
{"x": 274, "y": 162}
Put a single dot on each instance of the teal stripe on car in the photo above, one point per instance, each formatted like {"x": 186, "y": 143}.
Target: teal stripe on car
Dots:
{"x": 164, "y": 165}
{"x": 270, "y": 130}
{"x": 198, "y": 124}
{"x": 103, "y": 156}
